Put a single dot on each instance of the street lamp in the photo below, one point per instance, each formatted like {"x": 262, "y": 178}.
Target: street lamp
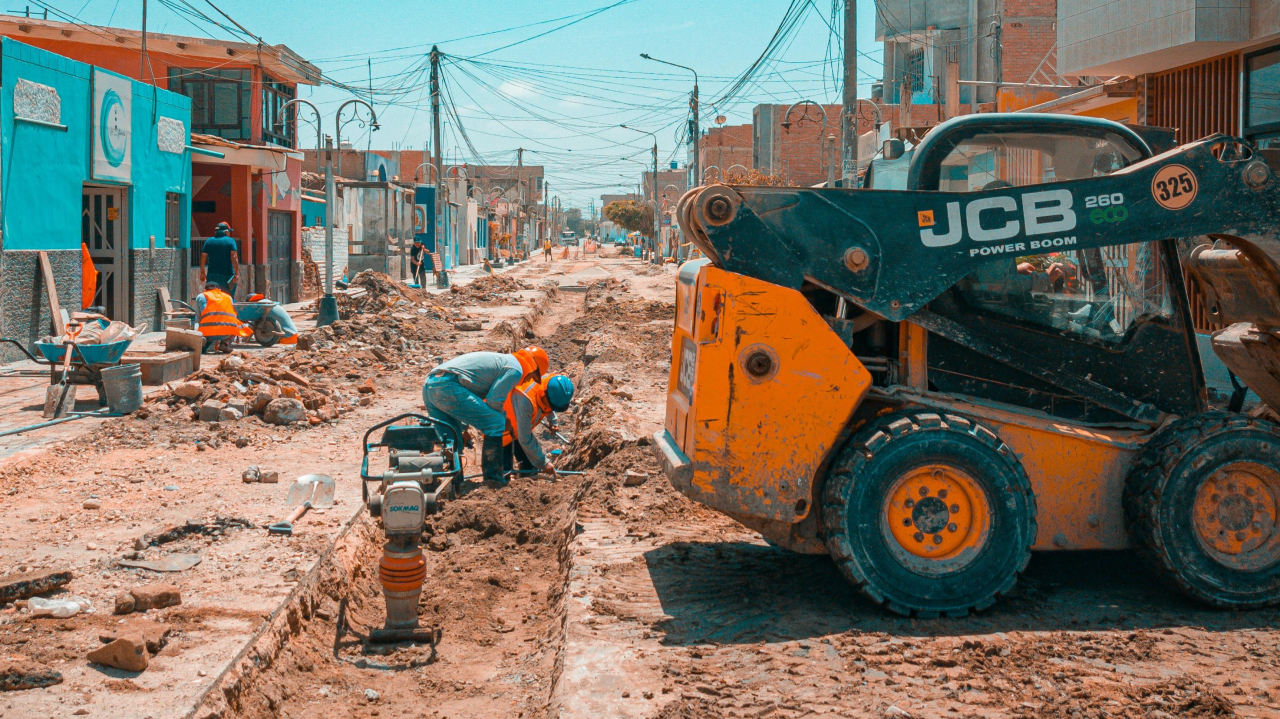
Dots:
{"x": 355, "y": 117}
{"x": 428, "y": 178}
{"x": 822, "y": 135}
{"x": 694, "y": 131}
{"x": 654, "y": 260}
{"x": 328, "y": 308}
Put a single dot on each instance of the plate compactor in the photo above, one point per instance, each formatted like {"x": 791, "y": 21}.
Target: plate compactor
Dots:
{"x": 991, "y": 351}
{"x": 424, "y": 466}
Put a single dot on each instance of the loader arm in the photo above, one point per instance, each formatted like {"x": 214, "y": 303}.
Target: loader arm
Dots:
{"x": 892, "y": 252}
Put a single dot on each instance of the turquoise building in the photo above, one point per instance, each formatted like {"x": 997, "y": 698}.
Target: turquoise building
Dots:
{"x": 89, "y": 157}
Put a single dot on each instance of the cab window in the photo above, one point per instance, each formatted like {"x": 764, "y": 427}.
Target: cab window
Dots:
{"x": 1095, "y": 293}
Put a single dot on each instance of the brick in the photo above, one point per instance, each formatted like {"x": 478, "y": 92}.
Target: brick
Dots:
{"x": 155, "y": 596}
{"x": 154, "y": 635}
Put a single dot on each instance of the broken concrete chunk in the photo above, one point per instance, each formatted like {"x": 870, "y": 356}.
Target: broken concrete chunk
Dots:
{"x": 467, "y": 326}
{"x": 188, "y": 390}
{"x": 366, "y": 401}
{"x": 22, "y": 585}
{"x": 306, "y": 341}
{"x": 154, "y": 634}
{"x": 284, "y": 410}
{"x": 210, "y": 409}
{"x": 127, "y": 652}
{"x": 251, "y": 475}
{"x": 18, "y": 673}
{"x": 269, "y": 476}
{"x": 240, "y": 405}
{"x": 634, "y": 479}
{"x": 229, "y": 414}
{"x": 92, "y": 503}
{"x": 261, "y": 400}
{"x": 151, "y": 596}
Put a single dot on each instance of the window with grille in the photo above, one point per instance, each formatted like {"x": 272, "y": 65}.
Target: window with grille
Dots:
{"x": 220, "y": 100}
{"x": 277, "y": 122}
{"x": 914, "y": 62}
{"x": 172, "y": 219}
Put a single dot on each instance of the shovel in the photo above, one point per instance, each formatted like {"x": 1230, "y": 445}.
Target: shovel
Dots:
{"x": 55, "y": 398}
{"x": 309, "y": 491}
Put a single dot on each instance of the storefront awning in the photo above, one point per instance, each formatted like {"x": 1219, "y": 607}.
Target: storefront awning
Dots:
{"x": 259, "y": 157}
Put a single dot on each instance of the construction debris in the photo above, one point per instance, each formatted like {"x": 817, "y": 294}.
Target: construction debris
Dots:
{"x": 23, "y": 585}
{"x": 128, "y": 652}
{"x": 18, "y": 673}
{"x": 152, "y": 596}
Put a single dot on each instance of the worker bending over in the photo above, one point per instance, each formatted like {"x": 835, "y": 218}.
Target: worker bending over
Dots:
{"x": 471, "y": 389}
{"x": 527, "y": 405}
{"x": 218, "y": 321}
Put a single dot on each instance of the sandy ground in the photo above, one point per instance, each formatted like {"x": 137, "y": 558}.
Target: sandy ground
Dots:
{"x": 582, "y": 597}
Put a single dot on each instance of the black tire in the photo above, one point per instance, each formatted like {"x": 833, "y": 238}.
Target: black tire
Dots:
{"x": 1178, "y": 530}
{"x": 857, "y": 504}
{"x": 267, "y": 332}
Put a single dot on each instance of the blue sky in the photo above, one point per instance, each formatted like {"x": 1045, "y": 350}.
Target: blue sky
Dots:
{"x": 561, "y": 96}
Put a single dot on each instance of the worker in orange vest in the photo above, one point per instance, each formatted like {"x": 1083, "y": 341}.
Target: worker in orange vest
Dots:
{"x": 527, "y": 405}
{"x": 218, "y": 321}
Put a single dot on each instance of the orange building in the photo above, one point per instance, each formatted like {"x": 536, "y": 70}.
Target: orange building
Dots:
{"x": 246, "y": 170}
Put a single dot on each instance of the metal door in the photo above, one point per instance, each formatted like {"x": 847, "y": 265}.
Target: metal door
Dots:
{"x": 279, "y": 253}
{"x": 103, "y": 229}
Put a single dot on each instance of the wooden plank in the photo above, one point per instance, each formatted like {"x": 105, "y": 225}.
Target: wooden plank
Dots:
{"x": 166, "y": 303}
{"x": 51, "y": 292}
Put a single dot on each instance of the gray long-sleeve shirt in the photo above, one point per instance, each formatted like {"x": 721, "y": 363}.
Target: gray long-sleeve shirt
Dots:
{"x": 490, "y": 375}
{"x": 523, "y": 409}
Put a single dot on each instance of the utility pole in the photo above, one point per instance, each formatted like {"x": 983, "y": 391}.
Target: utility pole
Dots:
{"x": 435, "y": 145}
{"x": 657, "y": 222}
{"x": 142, "y": 68}
{"x": 695, "y": 133}
{"x": 849, "y": 113}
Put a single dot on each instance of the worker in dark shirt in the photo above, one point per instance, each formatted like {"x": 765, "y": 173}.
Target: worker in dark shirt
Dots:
{"x": 220, "y": 259}
{"x": 417, "y": 254}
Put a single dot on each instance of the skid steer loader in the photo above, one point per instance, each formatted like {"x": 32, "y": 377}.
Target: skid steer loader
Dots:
{"x": 997, "y": 356}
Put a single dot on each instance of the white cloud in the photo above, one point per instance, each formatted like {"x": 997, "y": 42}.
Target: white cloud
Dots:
{"x": 517, "y": 89}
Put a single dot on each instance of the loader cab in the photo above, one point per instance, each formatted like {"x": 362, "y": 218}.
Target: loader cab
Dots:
{"x": 1097, "y": 313}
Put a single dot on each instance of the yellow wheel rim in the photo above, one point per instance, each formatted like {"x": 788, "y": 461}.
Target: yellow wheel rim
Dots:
{"x": 1235, "y": 515}
{"x": 937, "y": 513}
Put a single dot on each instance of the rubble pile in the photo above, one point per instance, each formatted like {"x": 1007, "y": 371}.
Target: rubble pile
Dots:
{"x": 380, "y": 292}
{"x": 489, "y": 291}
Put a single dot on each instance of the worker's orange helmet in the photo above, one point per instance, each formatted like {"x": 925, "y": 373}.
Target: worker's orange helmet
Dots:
{"x": 533, "y": 359}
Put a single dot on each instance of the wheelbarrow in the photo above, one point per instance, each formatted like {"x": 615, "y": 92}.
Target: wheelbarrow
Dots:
{"x": 268, "y": 320}
{"x": 87, "y": 360}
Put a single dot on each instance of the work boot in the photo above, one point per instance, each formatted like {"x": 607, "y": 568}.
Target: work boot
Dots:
{"x": 491, "y": 459}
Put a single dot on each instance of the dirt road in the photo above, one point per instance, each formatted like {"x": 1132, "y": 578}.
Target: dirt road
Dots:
{"x": 601, "y": 595}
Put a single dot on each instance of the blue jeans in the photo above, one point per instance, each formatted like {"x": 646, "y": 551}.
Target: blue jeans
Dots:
{"x": 448, "y": 401}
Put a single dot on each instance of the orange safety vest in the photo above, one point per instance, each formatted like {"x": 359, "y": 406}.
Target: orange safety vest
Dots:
{"x": 537, "y": 394}
{"x": 218, "y": 319}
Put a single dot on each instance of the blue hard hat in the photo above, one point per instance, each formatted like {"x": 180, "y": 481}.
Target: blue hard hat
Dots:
{"x": 559, "y": 392}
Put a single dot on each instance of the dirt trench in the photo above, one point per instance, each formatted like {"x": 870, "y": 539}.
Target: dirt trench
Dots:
{"x": 498, "y": 560}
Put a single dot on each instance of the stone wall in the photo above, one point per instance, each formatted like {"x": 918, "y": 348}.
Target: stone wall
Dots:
{"x": 24, "y": 311}
{"x": 153, "y": 269}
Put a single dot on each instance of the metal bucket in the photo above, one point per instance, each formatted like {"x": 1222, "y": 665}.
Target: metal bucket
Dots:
{"x": 123, "y": 387}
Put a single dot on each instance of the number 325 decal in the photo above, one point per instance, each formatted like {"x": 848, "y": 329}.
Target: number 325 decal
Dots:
{"x": 1174, "y": 187}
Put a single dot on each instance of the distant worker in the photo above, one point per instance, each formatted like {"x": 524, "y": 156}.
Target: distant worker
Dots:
{"x": 471, "y": 390}
{"x": 527, "y": 405}
{"x": 220, "y": 259}
{"x": 546, "y": 249}
{"x": 218, "y": 321}
{"x": 416, "y": 254}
